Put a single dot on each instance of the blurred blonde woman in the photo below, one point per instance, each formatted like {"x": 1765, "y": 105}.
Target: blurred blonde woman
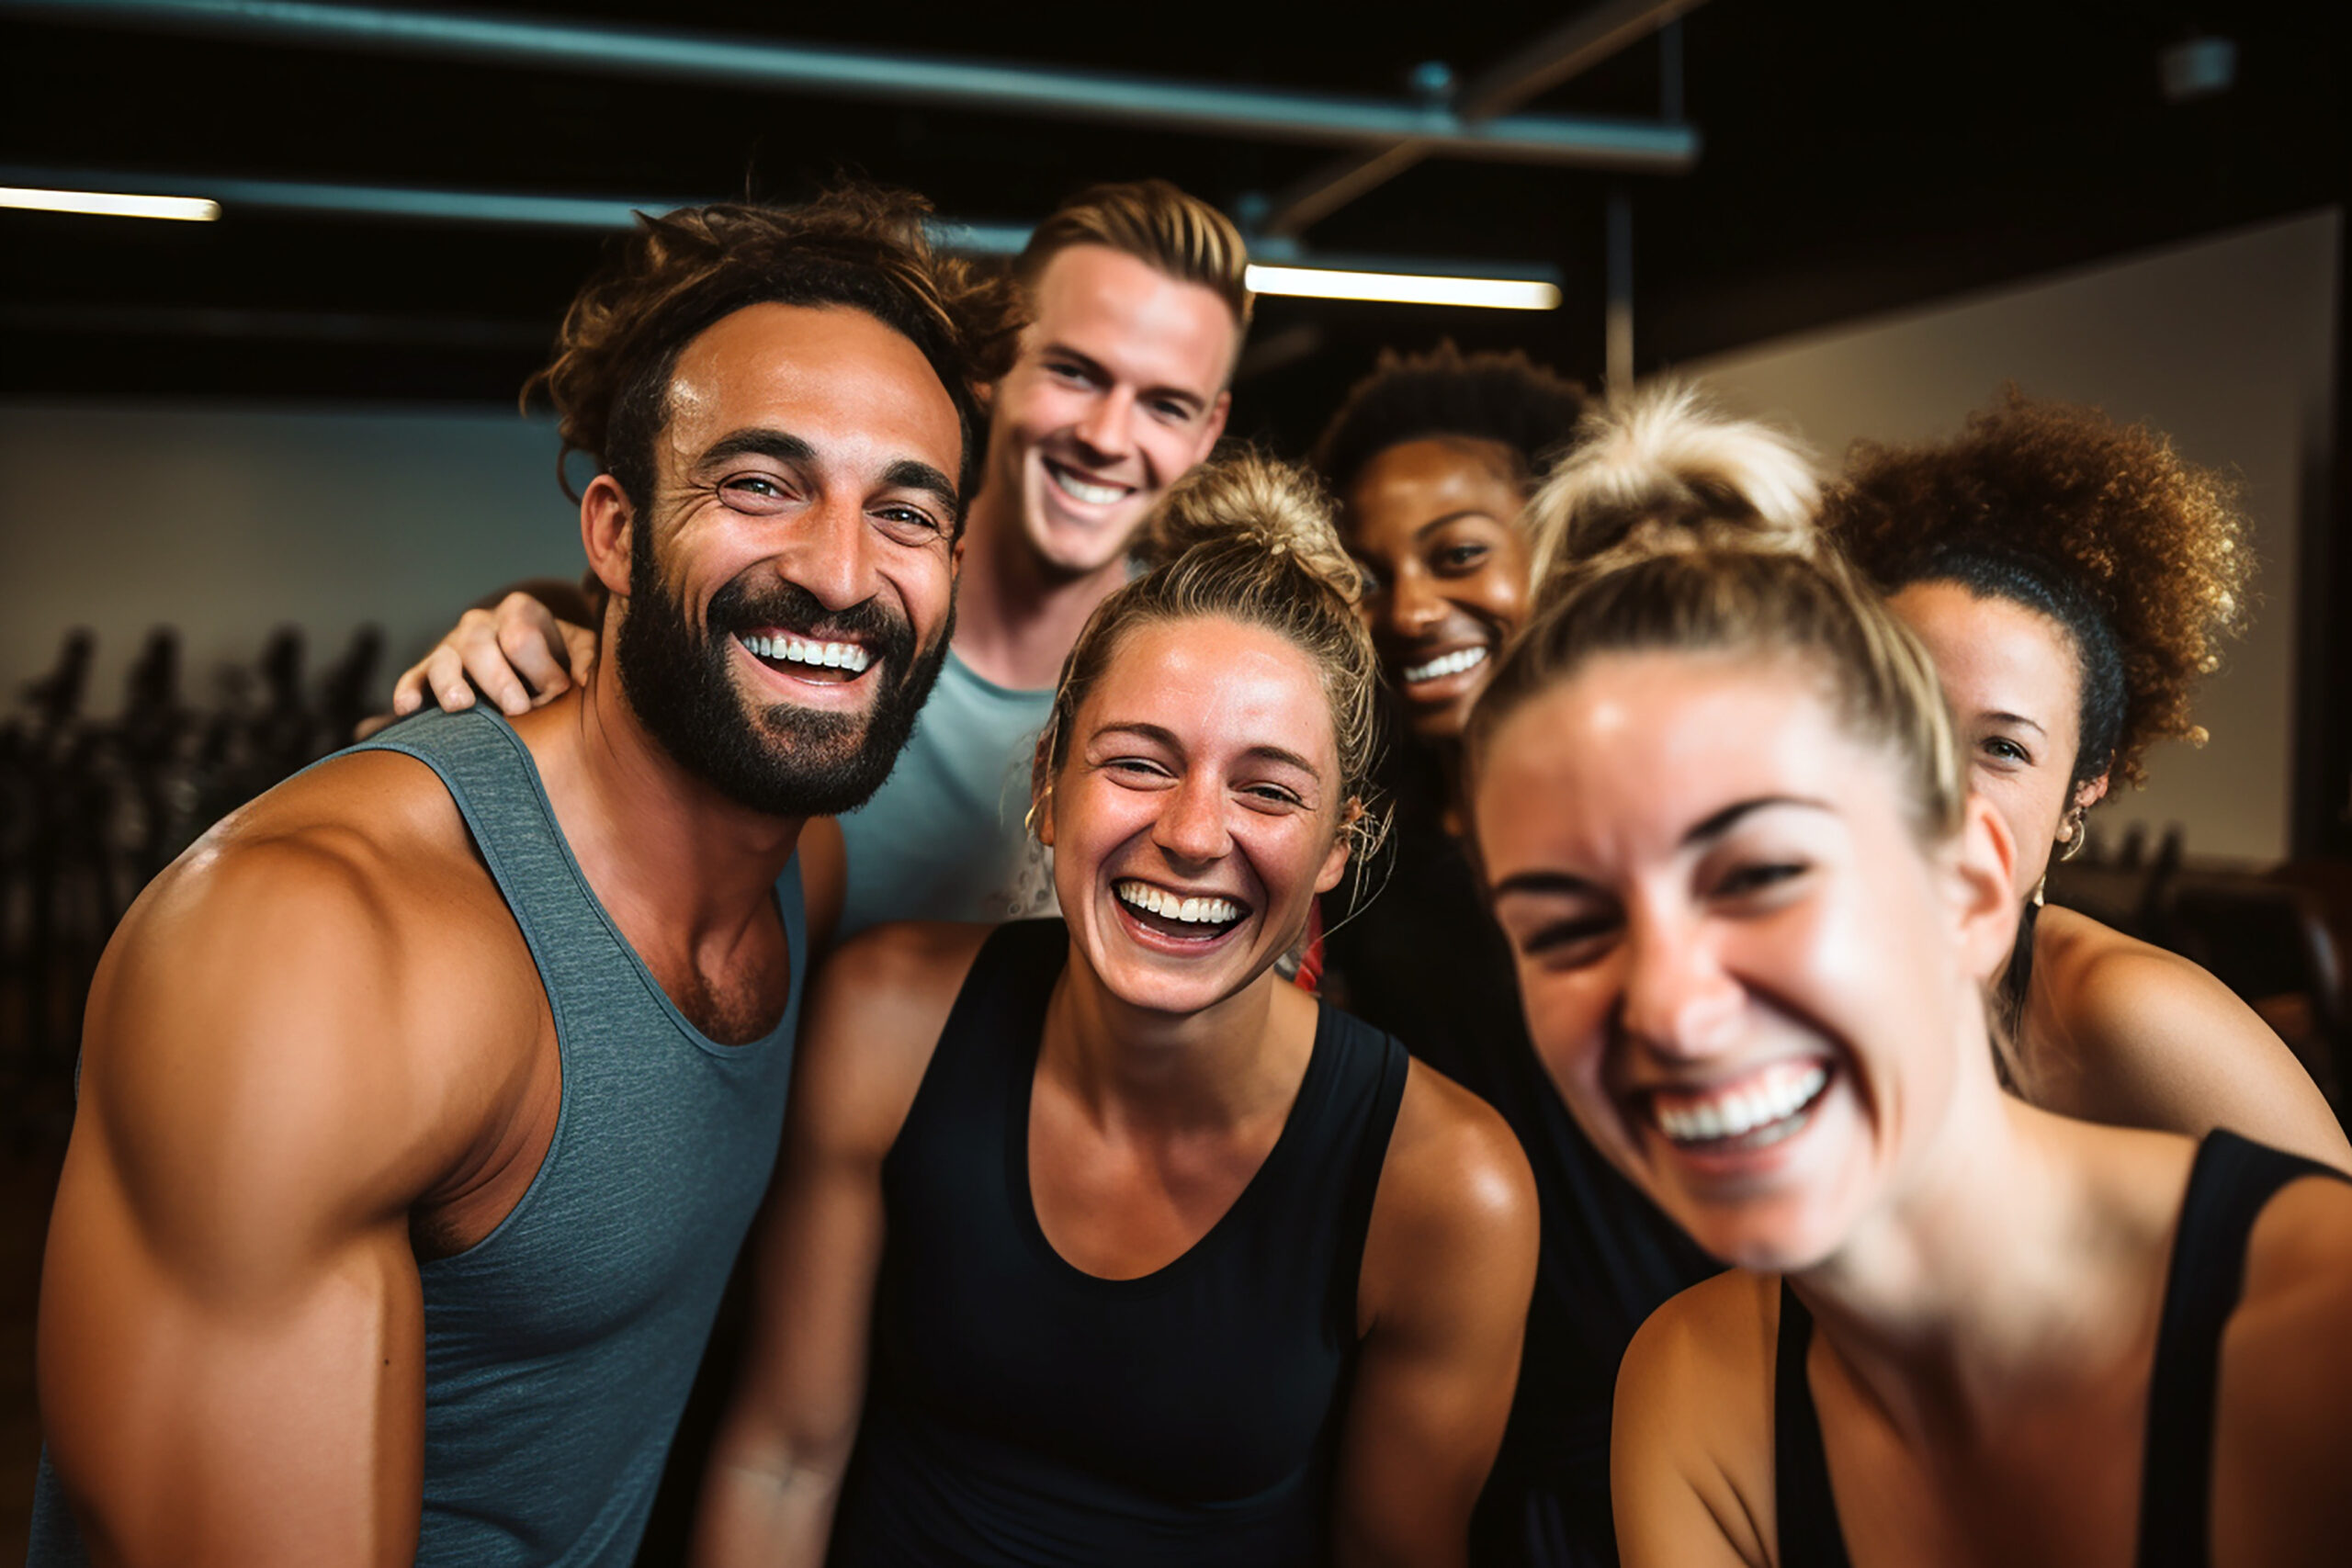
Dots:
{"x": 1718, "y": 798}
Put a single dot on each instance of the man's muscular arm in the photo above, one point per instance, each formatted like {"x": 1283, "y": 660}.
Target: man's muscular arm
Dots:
{"x": 230, "y": 1349}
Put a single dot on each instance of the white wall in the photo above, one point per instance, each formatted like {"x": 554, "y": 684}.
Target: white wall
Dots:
{"x": 228, "y": 522}
{"x": 2228, "y": 345}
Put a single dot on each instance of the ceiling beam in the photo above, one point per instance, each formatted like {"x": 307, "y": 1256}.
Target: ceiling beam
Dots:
{"x": 413, "y": 204}
{"x": 1572, "y": 48}
{"x": 909, "y": 80}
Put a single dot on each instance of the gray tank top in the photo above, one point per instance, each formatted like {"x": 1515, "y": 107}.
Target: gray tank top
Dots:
{"x": 560, "y": 1350}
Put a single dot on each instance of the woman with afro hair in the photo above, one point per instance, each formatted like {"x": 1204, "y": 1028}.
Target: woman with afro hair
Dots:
{"x": 2073, "y": 579}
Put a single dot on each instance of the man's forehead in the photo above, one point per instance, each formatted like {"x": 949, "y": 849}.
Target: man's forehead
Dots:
{"x": 1089, "y": 288}
{"x": 829, "y": 372}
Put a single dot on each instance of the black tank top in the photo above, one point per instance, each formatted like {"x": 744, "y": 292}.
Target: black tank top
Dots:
{"x": 1021, "y": 1411}
{"x": 2228, "y": 1186}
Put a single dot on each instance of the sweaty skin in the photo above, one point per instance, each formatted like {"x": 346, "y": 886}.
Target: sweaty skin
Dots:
{"x": 318, "y": 1050}
{"x": 1162, "y": 1083}
{"x": 1119, "y": 390}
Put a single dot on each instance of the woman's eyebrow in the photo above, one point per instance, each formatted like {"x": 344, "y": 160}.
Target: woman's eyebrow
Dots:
{"x": 1547, "y": 883}
{"x": 1716, "y": 824}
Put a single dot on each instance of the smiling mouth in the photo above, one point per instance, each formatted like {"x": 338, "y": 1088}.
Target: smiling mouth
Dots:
{"x": 808, "y": 657}
{"x": 1089, "y": 492}
{"x": 1751, "y": 1112}
{"x": 1444, "y": 664}
{"x": 1175, "y": 916}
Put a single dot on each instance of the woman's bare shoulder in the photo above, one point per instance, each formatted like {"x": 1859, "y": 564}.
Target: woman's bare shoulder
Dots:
{"x": 2283, "y": 1425}
{"x": 2125, "y": 1032}
{"x": 1690, "y": 1454}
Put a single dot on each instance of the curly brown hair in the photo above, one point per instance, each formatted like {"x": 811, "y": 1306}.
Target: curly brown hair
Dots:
{"x": 861, "y": 246}
{"x": 2102, "y": 526}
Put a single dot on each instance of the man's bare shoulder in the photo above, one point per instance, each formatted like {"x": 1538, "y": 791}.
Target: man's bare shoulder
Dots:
{"x": 330, "y": 967}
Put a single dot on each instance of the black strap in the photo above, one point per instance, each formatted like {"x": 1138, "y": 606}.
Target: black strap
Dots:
{"x": 1805, "y": 1507}
{"x": 2231, "y": 1181}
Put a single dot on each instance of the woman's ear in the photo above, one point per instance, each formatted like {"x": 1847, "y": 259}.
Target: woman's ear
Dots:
{"x": 1041, "y": 815}
{"x": 1335, "y": 865}
{"x": 605, "y": 518}
{"x": 1986, "y": 860}
{"x": 2089, "y": 795}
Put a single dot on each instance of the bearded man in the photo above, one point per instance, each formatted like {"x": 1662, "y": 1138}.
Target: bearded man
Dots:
{"x": 424, "y": 1103}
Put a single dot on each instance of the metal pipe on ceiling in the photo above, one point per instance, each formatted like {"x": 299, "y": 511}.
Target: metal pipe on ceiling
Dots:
{"x": 601, "y": 214}
{"x": 1574, "y": 47}
{"x": 909, "y": 80}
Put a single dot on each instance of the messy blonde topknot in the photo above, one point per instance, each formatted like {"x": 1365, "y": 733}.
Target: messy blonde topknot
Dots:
{"x": 1246, "y": 538}
{"x": 1661, "y": 461}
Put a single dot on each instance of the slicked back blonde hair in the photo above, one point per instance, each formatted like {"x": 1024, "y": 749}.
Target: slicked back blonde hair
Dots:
{"x": 1158, "y": 224}
{"x": 1664, "y": 456}
{"x": 1250, "y": 539}
{"x": 1712, "y": 597}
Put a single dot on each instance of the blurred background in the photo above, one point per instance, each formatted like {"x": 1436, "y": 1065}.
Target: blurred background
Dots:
{"x": 251, "y": 466}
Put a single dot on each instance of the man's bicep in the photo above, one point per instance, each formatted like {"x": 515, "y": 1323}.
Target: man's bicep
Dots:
{"x": 231, "y": 1351}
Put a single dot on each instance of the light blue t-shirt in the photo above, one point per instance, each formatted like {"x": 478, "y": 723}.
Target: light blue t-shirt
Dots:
{"x": 945, "y": 838}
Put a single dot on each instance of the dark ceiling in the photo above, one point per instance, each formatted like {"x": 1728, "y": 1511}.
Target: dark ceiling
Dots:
{"x": 1856, "y": 158}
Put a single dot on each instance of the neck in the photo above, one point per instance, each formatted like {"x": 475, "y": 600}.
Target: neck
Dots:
{"x": 2002, "y": 1268}
{"x": 1215, "y": 1067}
{"x": 1015, "y": 619}
{"x": 652, "y": 837}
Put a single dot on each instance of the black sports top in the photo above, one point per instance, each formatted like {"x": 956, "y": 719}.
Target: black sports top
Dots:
{"x": 1021, "y": 1411}
{"x": 2228, "y": 1186}
{"x": 1426, "y": 961}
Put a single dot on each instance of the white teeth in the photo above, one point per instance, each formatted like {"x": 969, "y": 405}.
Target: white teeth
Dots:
{"x": 1452, "y": 663}
{"x": 848, "y": 656}
{"x": 1738, "y": 1111}
{"x": 1080, "y": 490}
{"x": 1169, "y": 907}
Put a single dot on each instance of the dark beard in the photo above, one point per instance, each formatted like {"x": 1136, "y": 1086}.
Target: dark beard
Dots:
{"x": 783, "y": 760}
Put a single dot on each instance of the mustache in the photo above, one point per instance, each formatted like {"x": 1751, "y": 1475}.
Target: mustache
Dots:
{"x": 740, "y": 607}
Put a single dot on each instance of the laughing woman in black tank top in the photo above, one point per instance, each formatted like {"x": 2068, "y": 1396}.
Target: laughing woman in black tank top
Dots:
{"x": 1097, "y": 1242}
{"x": 1727, "y": 827}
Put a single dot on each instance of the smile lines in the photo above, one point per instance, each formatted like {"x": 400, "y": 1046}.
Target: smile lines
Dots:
{"x": 846, "y": 656}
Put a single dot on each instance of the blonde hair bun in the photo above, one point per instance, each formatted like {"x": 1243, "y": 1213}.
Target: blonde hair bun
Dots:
{"x": 1661, "y": 467}
{"x": 1249, "y": 504}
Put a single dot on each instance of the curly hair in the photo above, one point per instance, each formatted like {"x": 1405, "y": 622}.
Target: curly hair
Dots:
{"x": 1504, "y": 398}
{"x": 860, "y": 246}
{"x": 1248, "y": 538}
{"x": 2141, "y": 556}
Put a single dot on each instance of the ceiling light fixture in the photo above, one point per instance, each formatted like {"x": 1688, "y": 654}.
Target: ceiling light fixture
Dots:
{"x": 1405, "y": 289}
{"x": 109, "y": 204}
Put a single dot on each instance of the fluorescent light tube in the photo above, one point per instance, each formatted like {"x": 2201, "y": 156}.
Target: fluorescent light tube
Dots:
{"x": 108, "y": 204}
{"x": 1405, "y": 289}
